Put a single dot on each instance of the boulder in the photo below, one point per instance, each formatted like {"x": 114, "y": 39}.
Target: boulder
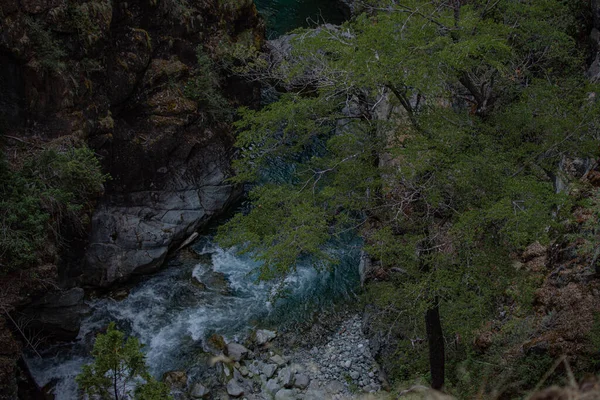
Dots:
{"x": 334, "y": 387}
{"x": 301, "y": 381}
{"x": 272, "y": 386}
{"x": 236, "y": 351}
{"x": 234, "y": 389}
{"x": 286, "y": 378}
{"x": 58, "y": 314}
{"x": 285, "y": 394}
{"x": 199, "y": 391}
{"x": 263, "y": 336}
{"x": 175, "y": 379}
{"x": 269, "y": 369}
{"x": 277, "y": 359}
{"x": 316, "y": 395}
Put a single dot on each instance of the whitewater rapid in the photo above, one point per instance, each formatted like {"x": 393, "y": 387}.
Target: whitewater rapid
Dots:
{"x": 173, "y": 311}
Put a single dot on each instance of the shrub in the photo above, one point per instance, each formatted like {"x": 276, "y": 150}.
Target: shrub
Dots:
{"x": 51, "y": 188}
{"x": 118, "y": 365}
{"x": 203, "y": 88}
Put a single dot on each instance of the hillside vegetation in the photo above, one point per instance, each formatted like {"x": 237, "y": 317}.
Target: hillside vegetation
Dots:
{"x": 457, "y": 138}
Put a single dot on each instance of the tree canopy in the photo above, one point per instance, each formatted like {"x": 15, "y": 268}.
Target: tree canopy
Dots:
{"x": 433, "y": 129}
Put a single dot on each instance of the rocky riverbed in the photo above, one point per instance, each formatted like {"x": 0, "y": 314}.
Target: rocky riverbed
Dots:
{"x": 340, "y": 367}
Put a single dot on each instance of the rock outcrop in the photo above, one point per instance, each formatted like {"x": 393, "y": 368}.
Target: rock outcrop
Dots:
{"x": 118, "y": 76}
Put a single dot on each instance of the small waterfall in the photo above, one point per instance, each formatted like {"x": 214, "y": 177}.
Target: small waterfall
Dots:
{"x": 173, "y": 311}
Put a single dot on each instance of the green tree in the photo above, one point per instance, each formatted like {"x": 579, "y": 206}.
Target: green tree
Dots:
{"x": 119, "y": 365}
{"x": 483, "y": 99}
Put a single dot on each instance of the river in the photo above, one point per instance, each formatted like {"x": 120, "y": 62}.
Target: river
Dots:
{"x": 206, "y": 289}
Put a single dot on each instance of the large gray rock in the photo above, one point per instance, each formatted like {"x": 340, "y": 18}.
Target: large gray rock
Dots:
{"x": 269, "y": 369}
{"x": 277, "y": 359}
{"x": 286, "y": 377}
{"x": 315, "y": 395}
{"x": 301, "y": 381}
{"x": 234, "y": 389}
{"x": 263, "y": 336}
{"x": 334, "y": 387}
{"x": 136, "y": 238}
{"x": 58, "y": 314}
{"x": 272, "y": 386}
{"x": 199, "y": 391}
{"x": 285, "y": 394}
{"x": 236, "y": 351}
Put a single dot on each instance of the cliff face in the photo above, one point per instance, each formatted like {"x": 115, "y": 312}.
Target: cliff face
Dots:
{"x": 144, "y": 84}
{"x": 114, "y": 74}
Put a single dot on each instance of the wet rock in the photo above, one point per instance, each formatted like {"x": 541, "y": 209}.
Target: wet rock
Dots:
{"x": 175, "y": 379}
{"x": 119, "y": 294}
{"x": 236, "y": 351}
{"x": 199, "y": 392}
{"x": 301, "y": 381}
{"x": 216, "y": 343}
{"x": 58, "y": 314}
{"x": 215, "y": 281}
{"x": 263, "y": 336}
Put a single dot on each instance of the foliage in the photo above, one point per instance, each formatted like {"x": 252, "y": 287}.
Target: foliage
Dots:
{"x": 204, "y": 88}
{"x": 177, "y": 11}
{"x": 51, "y": 188}
{"x": 47, "y": 49}
{"x": 484, "y": 99}
{"x": 118, "y": 365}
{"x": 87, "y": 19}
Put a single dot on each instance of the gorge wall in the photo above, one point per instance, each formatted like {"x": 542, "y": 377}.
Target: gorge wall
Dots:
{"x": 136, "y": 82}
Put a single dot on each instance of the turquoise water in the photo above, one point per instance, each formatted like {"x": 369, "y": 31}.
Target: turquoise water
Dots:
{"x": 284, "y": 15}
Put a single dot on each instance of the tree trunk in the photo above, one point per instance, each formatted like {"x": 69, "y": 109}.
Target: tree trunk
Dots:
{"x": 435, "y": 339}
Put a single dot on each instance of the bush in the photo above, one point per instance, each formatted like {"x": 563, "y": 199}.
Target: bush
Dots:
{"x": 203, "y": 88}
{"x": 118, "y": 366}
{"x": 51, "y": 188}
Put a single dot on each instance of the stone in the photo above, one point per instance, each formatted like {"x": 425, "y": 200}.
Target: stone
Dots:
{"x": 301, "y": 381}
{"x": 269, "y": 370}
{"x": 58, "y": 314}
{"x": 334, "y": 387}
{"x": 236, "y": 351}
{"x": 277, "y": 359}
{"x": 286, "y": 378}
{"x": 234, "y": 389}
{"x": 347, "y": 364}
{"x": 354, "y": 375}
{"x": 314, "y": 394}
{"x": 272, "y": 386}
{"x": 285, "y": 394}
{"x": 256, "y": 367}
{"x": 263, "y": 336}
{"x": 199, "y": 391}
{"x": 175, "y": 379}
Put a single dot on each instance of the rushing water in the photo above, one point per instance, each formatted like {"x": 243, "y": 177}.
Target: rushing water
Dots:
{"x": 285, "y": 15}
{"x": 173, "y": 311}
